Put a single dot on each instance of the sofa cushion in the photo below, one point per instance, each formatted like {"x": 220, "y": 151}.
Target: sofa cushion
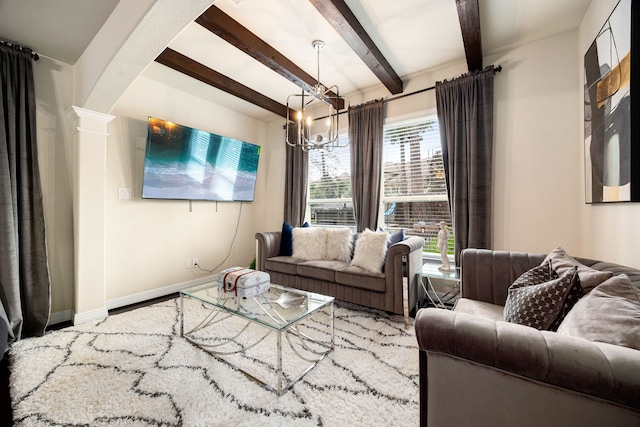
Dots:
{"x": 320, "y": 269}
{"x": 358, "y": 277}
{"x": 338, "y": 244}
{"x": 309, "y": 243}
{"x": 479, "y": 308}
{"x": 539, "y": 305}
{"x": 589, "y": 278}
{"x": 283, "y": 264}
{"x": 286, "y": 239}
{"x": 610, "y": 313}
{"x": 370, "y": 251}
{"x": 396, "y": 237}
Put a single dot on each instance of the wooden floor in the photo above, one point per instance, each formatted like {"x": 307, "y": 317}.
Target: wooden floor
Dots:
{"x": 6, "y": 416}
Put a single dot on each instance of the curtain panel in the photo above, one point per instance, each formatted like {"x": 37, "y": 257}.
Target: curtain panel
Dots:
{"x": 465, "y": 115}
{"x": 24, "y": 273}
{"x": 296, "y": 182}
{"x": 366, "y": 123}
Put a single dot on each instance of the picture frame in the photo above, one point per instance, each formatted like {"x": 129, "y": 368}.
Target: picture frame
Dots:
{"x": 612, "y": 171}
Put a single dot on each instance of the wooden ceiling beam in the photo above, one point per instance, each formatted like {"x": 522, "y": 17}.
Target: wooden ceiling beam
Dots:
{"x": 196, "y": 70}
{"x": 222, "y": 25}
{"x": 469, "y": 15}
{"x": 338, "y": 14}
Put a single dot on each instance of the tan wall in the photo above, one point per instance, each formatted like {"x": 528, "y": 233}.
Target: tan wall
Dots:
{"x": 148, "y": 241}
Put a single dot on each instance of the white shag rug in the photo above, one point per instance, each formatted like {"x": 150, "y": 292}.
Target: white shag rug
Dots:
{"x": 133, "y": 369}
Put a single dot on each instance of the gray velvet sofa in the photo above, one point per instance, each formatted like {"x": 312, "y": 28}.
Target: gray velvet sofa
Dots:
{"x": 477, "y": 370}
{"x": 343, "y": 281}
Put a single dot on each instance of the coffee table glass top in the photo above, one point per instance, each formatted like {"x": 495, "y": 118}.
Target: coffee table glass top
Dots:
{"x": 277, "y": 308}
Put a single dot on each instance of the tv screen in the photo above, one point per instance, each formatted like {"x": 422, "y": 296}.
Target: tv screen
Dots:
{"x": 190, "y": 164}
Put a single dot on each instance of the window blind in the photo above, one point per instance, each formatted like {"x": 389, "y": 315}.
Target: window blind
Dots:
{"x": 414, "y": 188}
{"x": 330, "y": 186}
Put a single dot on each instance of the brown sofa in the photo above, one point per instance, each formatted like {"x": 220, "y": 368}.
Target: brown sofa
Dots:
{"x": 477, "y": 370}
{"x": 343, "y": 281}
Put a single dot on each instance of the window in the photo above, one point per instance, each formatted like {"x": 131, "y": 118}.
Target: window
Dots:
{"x": 414, "y": 188}
{"x": 330, "y": 187}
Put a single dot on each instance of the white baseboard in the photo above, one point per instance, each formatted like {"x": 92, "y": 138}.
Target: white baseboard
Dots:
{"x": 156, "y": 293}
{"x": 91, "y": 315}
{"x": 101, "y": 313}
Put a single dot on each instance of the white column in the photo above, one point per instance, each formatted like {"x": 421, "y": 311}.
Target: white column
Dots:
{"x": 89, "y": 149}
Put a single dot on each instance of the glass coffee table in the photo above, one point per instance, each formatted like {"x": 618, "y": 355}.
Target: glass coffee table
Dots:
{"x": 240, "y": 331}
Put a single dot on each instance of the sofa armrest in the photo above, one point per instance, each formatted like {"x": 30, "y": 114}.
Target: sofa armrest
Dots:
{"x": 603, "y": 370}
{"x": 486, "y": 275}
{"x": 410, "y": 249}
{"x": 268, "y": 246}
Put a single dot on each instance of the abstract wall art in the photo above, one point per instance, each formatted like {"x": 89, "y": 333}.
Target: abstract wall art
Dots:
{"x": 611, "y": 166}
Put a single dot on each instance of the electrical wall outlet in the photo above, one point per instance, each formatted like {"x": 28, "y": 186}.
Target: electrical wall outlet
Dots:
{"x": 194, "y": 262}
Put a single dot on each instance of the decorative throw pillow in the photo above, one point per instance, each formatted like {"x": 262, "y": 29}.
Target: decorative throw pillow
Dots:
{"x": 610, "y": 313}
{"x": 539, "y": 305}
{"x": 338, "y": 244}
{"x": 589, "y": 277}
{"x": 540, "y": 274}
{"x": 575, "y": 293}
{"x": 286, "y": 239}
{"x": 371, "y": 248}
{"x": 309, "y": 243}
{"x": 396, "y": 237}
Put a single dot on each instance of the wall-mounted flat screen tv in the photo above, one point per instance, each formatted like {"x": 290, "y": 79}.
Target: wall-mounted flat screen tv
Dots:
{"x": 190, "y": 164}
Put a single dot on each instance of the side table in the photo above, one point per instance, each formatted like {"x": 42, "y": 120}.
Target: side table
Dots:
{"x": 441, "y": 288}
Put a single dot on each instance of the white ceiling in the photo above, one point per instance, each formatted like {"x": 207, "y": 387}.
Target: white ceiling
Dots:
{"x": 60, "y": 29}
{"x": 414, "y": 35}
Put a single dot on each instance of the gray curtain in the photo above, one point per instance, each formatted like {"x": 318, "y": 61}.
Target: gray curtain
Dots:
{"x": 24, "y": 273}
{"x": 465, "y": 115}
{"x": 295, "y": 196}
{"x": 365, "y": 139}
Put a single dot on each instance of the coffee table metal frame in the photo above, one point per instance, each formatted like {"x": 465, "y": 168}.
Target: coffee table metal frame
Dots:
{"x": 265, "y": 315}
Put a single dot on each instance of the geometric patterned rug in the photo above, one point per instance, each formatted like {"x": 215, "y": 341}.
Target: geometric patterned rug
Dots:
{"x": 133, "y": 369}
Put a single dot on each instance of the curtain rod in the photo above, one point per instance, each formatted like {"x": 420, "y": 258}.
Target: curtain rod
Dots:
{"x": 404, "y": 95}
{"x": 25, "y": 49}
{"x": 495, "y": 70}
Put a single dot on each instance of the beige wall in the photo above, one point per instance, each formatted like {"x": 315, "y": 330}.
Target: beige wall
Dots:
{"x": 536, "y": 175}
{"x": 148, "y": 241}
{"x": 536, "y": 162}
{"x": 608, "y": 231}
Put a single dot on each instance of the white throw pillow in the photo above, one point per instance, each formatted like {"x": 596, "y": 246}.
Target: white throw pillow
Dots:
{"x": 371, "y": 248}
{"x": 339, "y": 244}
{"x": 309, "y": 243}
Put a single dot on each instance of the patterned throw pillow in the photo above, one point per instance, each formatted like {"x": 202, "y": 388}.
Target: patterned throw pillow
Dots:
{"x": 575, "y": 293}
{"x": 540, "y": 305}
{"x": 540, "y": 274}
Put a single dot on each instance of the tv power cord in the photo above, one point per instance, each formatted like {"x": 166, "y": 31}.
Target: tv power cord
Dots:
{"x": 233, "y": 242}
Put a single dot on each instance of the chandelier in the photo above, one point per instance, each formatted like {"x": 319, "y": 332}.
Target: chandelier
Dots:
{"x": 303, "y": 130}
